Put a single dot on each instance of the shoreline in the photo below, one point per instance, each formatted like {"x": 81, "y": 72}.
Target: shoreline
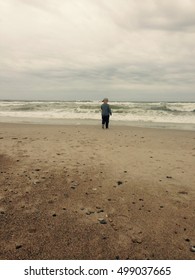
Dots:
{"x": 140, "y": 124}
{"x": 81, "y": 192}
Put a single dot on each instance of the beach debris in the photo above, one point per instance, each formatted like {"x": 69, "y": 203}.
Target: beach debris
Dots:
{"x": 192, "y": 249}
{"x": 37, "y": 169}
{"x": 187, "y": 240}
{"x": 169, "y": 177}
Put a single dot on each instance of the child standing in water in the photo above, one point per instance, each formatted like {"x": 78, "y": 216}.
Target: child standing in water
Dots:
{"x": 106, "y": 112}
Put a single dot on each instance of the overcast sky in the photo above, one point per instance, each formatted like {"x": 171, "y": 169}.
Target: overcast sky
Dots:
{"x": 88, "y": 49}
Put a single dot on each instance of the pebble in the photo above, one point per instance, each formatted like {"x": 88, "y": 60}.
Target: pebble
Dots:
{"x": 102, "y": 221}
{"x": 192, "y": 249}
{"x": 36, "y": 182}
{"x": 119, "y": 183}
{"x": 18, "y": 246}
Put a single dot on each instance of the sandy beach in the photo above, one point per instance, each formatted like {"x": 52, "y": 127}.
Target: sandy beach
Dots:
{"x": 81, "y": 192}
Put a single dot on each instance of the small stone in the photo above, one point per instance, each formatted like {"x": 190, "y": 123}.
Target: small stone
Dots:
{"x": 18, "y": 246}
{"x": 192, "y": 249}
{"x": 37, "y": 169}
{"x": 119, "y": 183}
{"x": 187, "y": 240}
{"x": 169, "y": 177}
{"x": 102, "y": 221}
{"x": 36, "y": 182}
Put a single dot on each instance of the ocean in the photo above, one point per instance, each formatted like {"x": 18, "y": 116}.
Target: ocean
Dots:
{"x": 151, "y": 114}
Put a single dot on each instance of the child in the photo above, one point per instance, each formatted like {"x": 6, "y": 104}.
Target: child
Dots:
{"x": 106, "y": 112}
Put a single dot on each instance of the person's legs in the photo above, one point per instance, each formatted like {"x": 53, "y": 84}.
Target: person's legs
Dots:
{"x": 107, "y": 121}
{"x": 103, "y": 121}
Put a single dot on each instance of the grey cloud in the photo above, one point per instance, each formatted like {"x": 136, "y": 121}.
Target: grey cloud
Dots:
{"x": 81, "y": 45}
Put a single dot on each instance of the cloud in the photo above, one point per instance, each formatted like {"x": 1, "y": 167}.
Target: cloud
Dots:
{"x": 80, "y": 45}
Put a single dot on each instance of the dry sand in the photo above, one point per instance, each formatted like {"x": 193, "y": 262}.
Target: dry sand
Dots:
{"x": 80, "y": 192}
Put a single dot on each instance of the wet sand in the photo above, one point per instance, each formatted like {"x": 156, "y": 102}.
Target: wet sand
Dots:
{"x": 81, "y": 192}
